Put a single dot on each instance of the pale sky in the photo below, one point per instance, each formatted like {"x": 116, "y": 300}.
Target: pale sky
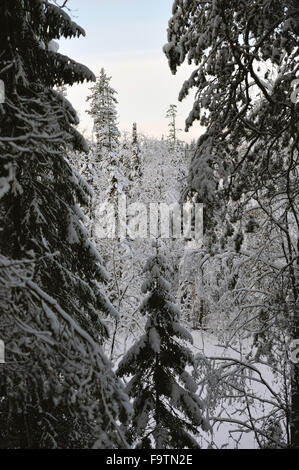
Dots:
{"x": 126, "y": 38}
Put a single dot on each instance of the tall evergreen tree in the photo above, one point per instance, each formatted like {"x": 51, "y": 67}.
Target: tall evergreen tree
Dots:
{"x": 57, "y": 389}
{"x": 104, "y": 113}
{"x": 172, "y": 134}
{"x": 167, "y": 412}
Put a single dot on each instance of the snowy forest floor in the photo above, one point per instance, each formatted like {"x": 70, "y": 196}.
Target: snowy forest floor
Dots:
{"x": 226, "y": 434}
{"x": 230, "y": 434}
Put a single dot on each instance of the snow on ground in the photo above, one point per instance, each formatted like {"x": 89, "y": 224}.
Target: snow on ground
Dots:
{"x": 224, "y": 434}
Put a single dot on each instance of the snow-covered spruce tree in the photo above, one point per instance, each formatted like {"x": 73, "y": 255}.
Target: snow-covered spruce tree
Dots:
{"x": 57, "y": 389}
{"x": 136, "y": 171}
{"x": 172, "y": 134}
{"x": 103, "y": 111}
{"x": 246, "y": 59}
{"x": 167, "y": 412}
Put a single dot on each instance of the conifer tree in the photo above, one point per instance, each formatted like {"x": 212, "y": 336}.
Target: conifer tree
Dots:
{"x": 103, "y": 111}
{"x": 167, "y": 412}
{"x": 57, "y": 389}
{"x": 171, "y": 115}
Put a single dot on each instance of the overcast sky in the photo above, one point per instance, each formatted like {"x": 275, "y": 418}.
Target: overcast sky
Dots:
{"x": 126, "y": 38}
